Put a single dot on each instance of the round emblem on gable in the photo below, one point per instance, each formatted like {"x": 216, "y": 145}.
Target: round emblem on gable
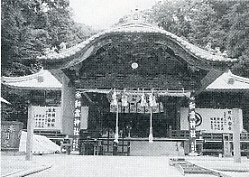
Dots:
{"x": 231, "y": 81}
{"x": 134, "y": 65}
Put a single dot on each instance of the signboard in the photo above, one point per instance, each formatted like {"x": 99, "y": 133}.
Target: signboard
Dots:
{"x": 211, "y": 120}
{"x": 47, "y": 118}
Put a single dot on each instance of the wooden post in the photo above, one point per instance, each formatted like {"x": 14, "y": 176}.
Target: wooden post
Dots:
{"x": 116, "y": 131}
{"x": 151, "y": 127}
{"x": 30, "y": 134}
{"x": 236, "y": 135}
{"x": 115, "y": 143}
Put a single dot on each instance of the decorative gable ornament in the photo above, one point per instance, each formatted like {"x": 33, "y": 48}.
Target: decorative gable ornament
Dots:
{"x": 231, "y": 81}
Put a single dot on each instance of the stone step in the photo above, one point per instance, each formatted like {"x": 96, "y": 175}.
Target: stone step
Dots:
{"x": 156, "y": 148}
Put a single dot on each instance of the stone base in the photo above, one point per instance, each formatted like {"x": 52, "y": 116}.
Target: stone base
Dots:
{"x": 193, "y": 154}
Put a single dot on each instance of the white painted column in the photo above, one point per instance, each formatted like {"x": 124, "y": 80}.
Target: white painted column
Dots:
{"x": 236, "y": 135}
{"x": 30, "y": 134}
{"x": 152, "y": 103}
{"x": 151, "y": 126}
{"x": 116, "y": 128}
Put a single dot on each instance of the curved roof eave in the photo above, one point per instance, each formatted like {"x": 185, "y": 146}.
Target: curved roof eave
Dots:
{"x": 4, "y": 101}
{"x": 78, "y": 53}
{"x": 42, "y": 80}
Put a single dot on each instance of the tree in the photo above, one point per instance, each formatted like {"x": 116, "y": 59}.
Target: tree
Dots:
{"x": 30, "y": 27}
{"x": 224, "y": 24}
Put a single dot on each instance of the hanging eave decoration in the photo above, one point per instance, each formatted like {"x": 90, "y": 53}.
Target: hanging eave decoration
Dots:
{"x": 170, "y": 93}
{"x": 134, "y": 103}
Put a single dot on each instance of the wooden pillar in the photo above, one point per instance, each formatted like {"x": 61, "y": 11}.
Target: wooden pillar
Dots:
{"x": 236, "y": 135}
{"x": 178, "y": 115}
{"x": 151, "y": 126}
{"x": 116, "y": 128}
{"x": 30, "y": 134}
{"x": 152, "y": 103}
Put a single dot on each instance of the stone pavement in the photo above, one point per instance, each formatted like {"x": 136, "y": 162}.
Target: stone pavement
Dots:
{"x": 16, "y": 165}
{"x": 225, "y": 165}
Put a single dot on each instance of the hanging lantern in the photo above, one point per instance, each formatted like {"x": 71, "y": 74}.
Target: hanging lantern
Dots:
{"x": 192, "y": 104}
{"x": 124, "y": 100}
{"x": 143, "y": 101}
{"x": 152, "y": 100}
{"x": 114, "y": 101}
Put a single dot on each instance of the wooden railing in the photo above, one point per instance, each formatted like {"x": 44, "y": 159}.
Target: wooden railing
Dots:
{"x": 179, "y": 134}
{"x": 184, "y": 134}
{"x": 104, "y": 146}
{"x": 212, "y": 137}
{"x": 244, "y": 137}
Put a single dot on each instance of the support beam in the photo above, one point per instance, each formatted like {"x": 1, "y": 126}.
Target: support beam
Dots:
{"x": 30, "y": 134}
{"x": 236, "y": 135}
{"x": 151, "y": 126}
{"x": 116, "y": 129}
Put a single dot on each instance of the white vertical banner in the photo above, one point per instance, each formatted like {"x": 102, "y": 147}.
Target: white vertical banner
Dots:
{"x": 84, "y": 117}
{"x": 236, "y": 135}
{"x": 77, "y": 119}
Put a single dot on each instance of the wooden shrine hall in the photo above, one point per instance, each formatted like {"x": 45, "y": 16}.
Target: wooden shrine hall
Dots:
{"x": 136, "y": 83}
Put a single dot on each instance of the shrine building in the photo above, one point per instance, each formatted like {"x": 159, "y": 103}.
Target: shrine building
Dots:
{"x": 137, "y": 83}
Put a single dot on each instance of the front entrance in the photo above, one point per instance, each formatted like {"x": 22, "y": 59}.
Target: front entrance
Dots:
{"x": 134, "y": 125}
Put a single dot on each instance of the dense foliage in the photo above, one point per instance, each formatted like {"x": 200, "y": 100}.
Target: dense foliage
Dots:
{"x": 31, "y": 28}
{"x": 223, "y": 24}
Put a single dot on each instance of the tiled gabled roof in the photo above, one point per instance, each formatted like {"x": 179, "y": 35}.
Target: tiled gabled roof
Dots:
{"x": 68, "y": 54}
{"x": 43, "y": 80}
{"x": 229, "y": 82}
